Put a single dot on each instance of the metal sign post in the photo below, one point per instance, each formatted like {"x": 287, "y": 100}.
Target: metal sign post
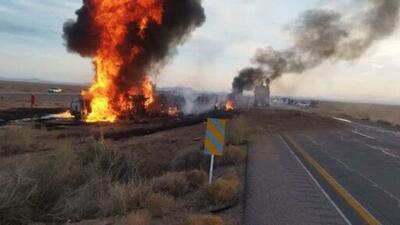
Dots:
{"x": 215, "y": 141}
{"x": 210, "y": 176}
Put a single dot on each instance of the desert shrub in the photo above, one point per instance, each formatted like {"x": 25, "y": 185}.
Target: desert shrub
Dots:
{"x": 196, "y": 178}
{"x": 125, "y": 197}
{"x": 56, "y": 178}
{"x": 233, "y": 155}
{"x": 70, "y": 186}
{"x": 179, "y": 183}
{"x": 139, "y": 195}
{"x": 174, "y": 184}
{"x": 15, "y": 192}
{"x": 159, "y": 204}
{"x": 152, "y": 166}
{"x": 224, "y": 190}
{"x": 108, "y": 162}
{"x": 238, "y": 131}
{"x": 204, "y": 220}
{"x": 87, "y": 201}
{"x": 120, "y": 199}
{"x": 136, "y": 218}
{"x": 231, "y": 174}
{"x": 189, "y": 160}
{"x": 15, "y": 140}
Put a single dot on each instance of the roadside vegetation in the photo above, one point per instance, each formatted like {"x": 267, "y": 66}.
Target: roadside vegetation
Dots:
{"x": 239, "y": 130}
{"x": 385, "y": 114}
{"x": 93, "y": 180}
{"x": 16, "y": 140}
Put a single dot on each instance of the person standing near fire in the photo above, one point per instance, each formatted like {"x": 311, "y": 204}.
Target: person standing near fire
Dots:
{"x": 33, "y": 100}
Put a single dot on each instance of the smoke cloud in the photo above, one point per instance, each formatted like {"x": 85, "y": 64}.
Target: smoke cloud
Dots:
{"x": 323, "y": 35}
{"x": 247, "y": 79}
{"x": 180, "y": 17}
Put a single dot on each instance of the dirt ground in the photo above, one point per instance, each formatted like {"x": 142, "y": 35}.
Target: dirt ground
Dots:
{"x": 17, "y": 86}
{"x": 388, "y": 114}
{"x": 275, "y": 120}
{"x": 155, "y": 155}
{"x": 18, "y": 95}
{"x": 51, "y": 163}
{"x": 163, "y": 156}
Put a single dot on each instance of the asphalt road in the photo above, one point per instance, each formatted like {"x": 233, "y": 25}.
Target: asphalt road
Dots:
{"x": 365, "y": 159}
{"x": 279, "y": 191}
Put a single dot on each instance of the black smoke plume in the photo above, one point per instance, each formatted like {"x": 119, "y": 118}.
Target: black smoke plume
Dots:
{"x": 180, "y": 17}
{"x": 247, "y": 79}
{"x": 321, "y": 35}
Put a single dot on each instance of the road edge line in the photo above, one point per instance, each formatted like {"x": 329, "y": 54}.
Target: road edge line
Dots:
{"x": 363, "y": 213}
{"x": 316, "y": 182}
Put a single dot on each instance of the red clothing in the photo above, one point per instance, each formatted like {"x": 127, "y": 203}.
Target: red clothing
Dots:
{"x": 33, "y": 100}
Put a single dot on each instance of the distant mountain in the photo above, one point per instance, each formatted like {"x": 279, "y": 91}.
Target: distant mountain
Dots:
{"x": 40, "y": 81}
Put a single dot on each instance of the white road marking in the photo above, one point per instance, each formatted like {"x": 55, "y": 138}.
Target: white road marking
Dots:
{"x": 378, "y": 129}
{"x": 385, "y": 151}
{"x": 342, "y": 120}
{"x": 363, "y": 135}
{"x": 317, "y": 183}
{"x": 377, "y": 186}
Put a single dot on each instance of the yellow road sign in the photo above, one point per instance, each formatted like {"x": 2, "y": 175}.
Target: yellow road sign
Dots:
{"x": 215, "y": 137}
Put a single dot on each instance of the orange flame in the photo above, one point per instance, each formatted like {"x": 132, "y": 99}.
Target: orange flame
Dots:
{"x": 173, "y": 111}
{"x": 229, "y": 105}
{"x": 112, "y": 19}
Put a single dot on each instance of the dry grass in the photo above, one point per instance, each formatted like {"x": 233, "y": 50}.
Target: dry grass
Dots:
{"x": 190, "y": 159}
{"x": 15, "y": 191}
{"x": 204, "y": 220}
{"x": 93, "y": 180}
{"x": 123, "y": 198}
{"x": 233, "y": 155}
{"x": 239, "y": 130}
{"x": 222, "y": 191}
{"x": 174, "y": 184}
{"x": 196, "y": 179}
{"x": 136, "y": 218}
{"x": 374, "y": 113}
{"x": 67, "y": 185}
{"x": 16, "y": 140}
{"x": 179, "y": 183}
{"x": 159, "y": 205}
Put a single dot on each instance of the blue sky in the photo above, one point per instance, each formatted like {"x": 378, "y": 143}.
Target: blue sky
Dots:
{"x": 31, "y": 46}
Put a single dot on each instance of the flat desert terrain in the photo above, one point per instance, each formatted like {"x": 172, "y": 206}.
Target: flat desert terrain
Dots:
{"x": 18, "y": 94}
{"x": 17, "y": 86}
{"x": 387, "y": 114}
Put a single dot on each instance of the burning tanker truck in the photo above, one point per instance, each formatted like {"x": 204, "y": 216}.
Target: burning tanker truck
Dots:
{"x": 129, "y": 42}
{"x": 164, "y": 103}
{"x": 254, "y": 80}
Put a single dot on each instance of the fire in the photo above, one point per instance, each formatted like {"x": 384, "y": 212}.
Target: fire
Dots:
{"x": 65, "y": 115}
{"x": 113, "y": 18}
{"x": 173, "y": 111}
{"x": 229, "y": 105}
{"x": 148, "y": 93}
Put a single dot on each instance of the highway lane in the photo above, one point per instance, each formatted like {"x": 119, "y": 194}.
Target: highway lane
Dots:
{"x": 365, "y": 159}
